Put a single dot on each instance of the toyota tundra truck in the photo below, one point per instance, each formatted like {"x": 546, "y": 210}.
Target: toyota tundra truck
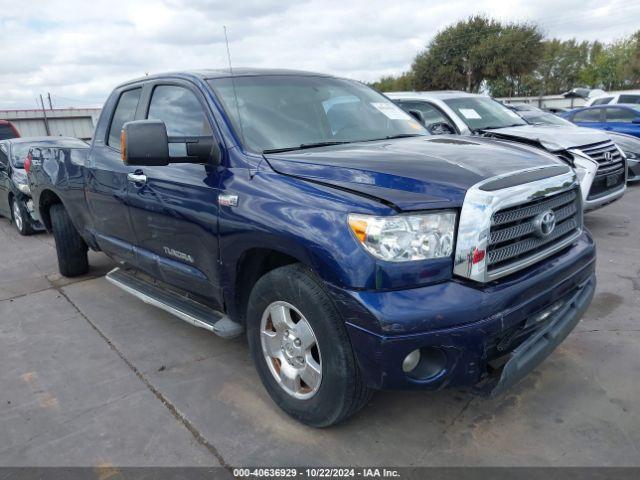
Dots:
{"x": 355, "y": 251}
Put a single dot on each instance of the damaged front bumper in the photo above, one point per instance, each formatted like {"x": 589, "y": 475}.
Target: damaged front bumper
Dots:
{"x": 463, "y": 329}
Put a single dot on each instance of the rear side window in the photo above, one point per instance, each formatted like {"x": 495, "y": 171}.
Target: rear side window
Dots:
{"x": 125, "y": 112}
{"x": 588, "y": 116}
{"x": 6, "y": 131}
{"x": 629, "y": 99}
{"x": 620, "y": 115}
{"x": 180, "y": 110}
{"x": 602, "y": 101}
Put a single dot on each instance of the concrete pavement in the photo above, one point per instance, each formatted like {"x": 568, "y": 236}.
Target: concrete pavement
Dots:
{"x": 91, "y": 376}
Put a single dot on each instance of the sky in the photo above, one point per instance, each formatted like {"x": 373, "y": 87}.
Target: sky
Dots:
{"x": 78, "y": 50}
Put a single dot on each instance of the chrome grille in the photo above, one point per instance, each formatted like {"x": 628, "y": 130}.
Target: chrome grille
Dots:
{"x": 607, "y": 155}
{"x": 514, "y": 237}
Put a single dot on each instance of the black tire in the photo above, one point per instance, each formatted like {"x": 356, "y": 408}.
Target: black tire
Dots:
{"x": 72, "y": 250}
{"x": 341, "y": 392}
{"x": 23, "y": 223}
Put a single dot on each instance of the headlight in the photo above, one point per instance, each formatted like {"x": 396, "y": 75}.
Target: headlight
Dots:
{"x": 403, "y": 238}
{"x": 24, "y": 188}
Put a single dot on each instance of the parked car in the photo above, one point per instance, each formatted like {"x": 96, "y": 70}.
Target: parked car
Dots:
{"x": 618, "y": 118}
{"x": 7, "y": 130}
{"x": 15, "y": 195}
{"x": 357, "y": 251}
{"x": 629, "y": 145}
{"x": 632, "y": 96}
{"x": 598, "y": 162}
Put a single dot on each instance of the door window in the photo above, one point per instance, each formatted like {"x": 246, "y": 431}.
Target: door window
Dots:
{"x": 125, "y": 112}
{"x": 430, "y": 113}
{"x": 588, "y": 116}
{"x": 180, "y": 110}
{"x": 620, "y": 115}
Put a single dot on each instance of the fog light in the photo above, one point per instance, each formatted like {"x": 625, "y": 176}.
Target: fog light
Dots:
{"x": 411, "y": 361}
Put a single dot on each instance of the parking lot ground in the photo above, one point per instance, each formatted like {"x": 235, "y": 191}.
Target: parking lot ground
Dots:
{"x": 91, "y": 376}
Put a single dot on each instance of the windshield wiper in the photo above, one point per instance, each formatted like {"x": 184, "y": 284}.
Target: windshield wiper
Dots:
{"x": 303, "y": 146}
{"x": 499, "y": 126}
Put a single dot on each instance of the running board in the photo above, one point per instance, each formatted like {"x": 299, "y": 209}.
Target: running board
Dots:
{"x": 181, "y": 306}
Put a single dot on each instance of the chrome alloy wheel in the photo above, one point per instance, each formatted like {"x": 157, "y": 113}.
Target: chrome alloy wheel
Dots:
{"x": 291, "y": 350}
{"x": 17, "y": 215}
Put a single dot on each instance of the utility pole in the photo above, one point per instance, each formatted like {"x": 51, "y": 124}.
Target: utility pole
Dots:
{"x": 44, "y": 113}
{"x": 49, "y": 98}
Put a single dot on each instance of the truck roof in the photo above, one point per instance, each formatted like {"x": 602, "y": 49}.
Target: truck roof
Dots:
{"x": 207, "y": 74}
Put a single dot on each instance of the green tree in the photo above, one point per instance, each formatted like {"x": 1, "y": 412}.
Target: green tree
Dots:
{"x": 467, "y": 54}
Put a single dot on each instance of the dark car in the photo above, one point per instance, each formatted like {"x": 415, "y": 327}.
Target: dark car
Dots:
{"x": 15, "y": 193}
{"x": 357, "y": 251}
{"x": 619, "y": 118}
{"x": 628, "y": 144}
{"x": 7, "y": 130}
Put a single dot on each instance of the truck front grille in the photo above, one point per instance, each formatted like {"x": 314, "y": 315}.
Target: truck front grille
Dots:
{"x": 515, "y": 236}
{"x": 610, "y": 175}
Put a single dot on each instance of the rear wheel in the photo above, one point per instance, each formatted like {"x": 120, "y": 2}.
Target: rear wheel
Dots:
{"x": 301, "y": 349}
{"x": 72, "y": 250}
{"x": 20, "y": 216}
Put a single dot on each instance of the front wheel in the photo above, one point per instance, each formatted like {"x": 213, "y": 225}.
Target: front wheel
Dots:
{"x": 21, "y": 217}
{"x": 301, "y": 349}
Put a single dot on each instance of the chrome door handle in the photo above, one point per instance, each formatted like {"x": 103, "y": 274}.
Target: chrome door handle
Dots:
{"x": 137, "y": 178}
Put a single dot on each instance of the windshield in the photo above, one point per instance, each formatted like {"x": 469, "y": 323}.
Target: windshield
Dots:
{"x": 484, "y": 113}
{"x": 19, "y": 152}
{"x": 546, "y": 119}
{"x": 286, "y": 112}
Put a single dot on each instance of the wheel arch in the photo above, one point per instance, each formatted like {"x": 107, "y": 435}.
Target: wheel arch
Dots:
{"x": 47, "y": 199}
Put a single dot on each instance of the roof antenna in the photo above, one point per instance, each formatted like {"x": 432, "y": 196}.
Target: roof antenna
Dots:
{"x": 233, "y": 84}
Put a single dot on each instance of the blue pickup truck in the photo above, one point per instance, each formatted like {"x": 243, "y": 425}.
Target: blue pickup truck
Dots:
{"x": 355, "y": 251}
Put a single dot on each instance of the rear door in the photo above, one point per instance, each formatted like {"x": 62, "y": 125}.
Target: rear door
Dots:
{"x": 619, "y": 119}
{"x": 108, "y": 183}
{"x": 175, "y": 212}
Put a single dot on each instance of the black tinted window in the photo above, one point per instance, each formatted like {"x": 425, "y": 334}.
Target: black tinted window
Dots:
{"x": 125, "y": 112}
{"x": 629, "y": 99}
{"x": 6, "y": 132}
{"x": 620, "y": 115}
{"x": 180, "y": 110}
{"x": 588, "y": 116}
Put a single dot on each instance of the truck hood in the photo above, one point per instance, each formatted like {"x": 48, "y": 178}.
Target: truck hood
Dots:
{"x": 411, "y": 173}
{"x": 552, "y": 137}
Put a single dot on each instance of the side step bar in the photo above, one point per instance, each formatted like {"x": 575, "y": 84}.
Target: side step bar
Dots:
{"x": 181, "y": 306}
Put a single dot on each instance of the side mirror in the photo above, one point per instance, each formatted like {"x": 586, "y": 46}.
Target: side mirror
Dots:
{"x": 417, "y": 115}
{"x": 440, "y": 128}
{"x": 146, "y": 143}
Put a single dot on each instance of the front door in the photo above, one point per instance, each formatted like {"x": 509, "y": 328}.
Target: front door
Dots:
{"x": 108, "y": 184}
{"x": 175, "y": 210}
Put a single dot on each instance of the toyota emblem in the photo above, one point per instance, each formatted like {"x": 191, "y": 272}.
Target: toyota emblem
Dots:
{"x": 545, "y": 223}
